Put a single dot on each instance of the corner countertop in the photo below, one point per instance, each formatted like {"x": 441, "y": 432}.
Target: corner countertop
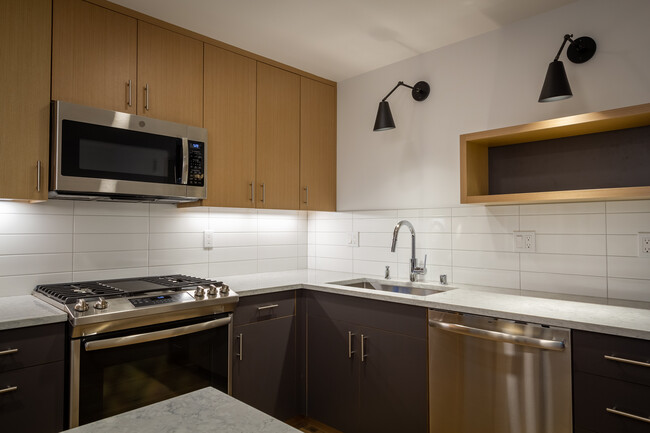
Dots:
{"x": 23, "y": 311}
{"x": 588, "y": 314}
{"x": 205, "y": 410}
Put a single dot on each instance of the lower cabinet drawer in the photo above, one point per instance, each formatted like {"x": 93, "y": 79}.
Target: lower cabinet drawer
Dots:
{"x": 593, "y": 395}
{"x": 268, "y": 306}
{"x": 35, "y": 345}
{"x": 33, "y": 399}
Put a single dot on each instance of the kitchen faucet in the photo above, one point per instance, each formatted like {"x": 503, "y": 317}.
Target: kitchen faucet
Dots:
{"x": 414, "y": 269}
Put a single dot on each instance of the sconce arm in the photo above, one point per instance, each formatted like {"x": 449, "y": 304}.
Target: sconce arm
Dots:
{"x": 566, "y": 38}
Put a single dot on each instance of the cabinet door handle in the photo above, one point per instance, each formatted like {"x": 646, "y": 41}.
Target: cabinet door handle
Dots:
{"x": 350, "y": 351}
{"x": 8, "y": 352}
{"x": 38, "y": 176}
{"x": 252, "y": 185}
{"x": 627, "y": 415}
{"x": 240, "y": 355}
{"x": 129, "y": 100}
{"x": 363, "y": 348}
{"x": 306, "y": 196}
{"x": 266, "y": 307}
{"x": 146, "y": 96}
{"x": 627, "y": 361}
{"x": 263, "y": 192}
{"x": 8, "y": 389}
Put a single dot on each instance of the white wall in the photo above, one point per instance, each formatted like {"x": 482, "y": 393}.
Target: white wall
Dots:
{"x": 62, "y": 241}
{"x": 486, "y": 82}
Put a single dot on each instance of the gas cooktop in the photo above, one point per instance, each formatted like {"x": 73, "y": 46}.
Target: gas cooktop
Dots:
{"x": 166, "y": 297}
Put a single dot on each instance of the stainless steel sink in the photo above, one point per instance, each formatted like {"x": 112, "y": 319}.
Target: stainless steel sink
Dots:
{"x": 387, "y": 286}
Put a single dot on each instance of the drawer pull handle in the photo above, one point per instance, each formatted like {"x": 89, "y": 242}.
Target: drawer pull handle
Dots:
{"x": 8, "y": 351}
{"x": 627, "y": 361}
{"x": 267, "y": 307}
{"x": 628, "y": 415}
{"x": 8, "y": 389}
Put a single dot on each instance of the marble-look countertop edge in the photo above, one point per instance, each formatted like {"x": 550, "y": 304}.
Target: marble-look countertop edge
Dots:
{"x": 518, "y": 307}
{"x": 25, "y": 311}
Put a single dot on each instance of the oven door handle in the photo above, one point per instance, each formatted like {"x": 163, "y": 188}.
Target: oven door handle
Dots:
{"x": 110, "y": 343}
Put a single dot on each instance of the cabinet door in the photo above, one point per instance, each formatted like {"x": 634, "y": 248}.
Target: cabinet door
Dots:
{"x": 393, "y": 383}
{"x": 264, "y": 376}
{"x": 278, "y": 138}
{"x": 317, "y": 145}
{"x": 229, "y": 117}
{"x": 94, "y": 55}
{"x": 170, "y": 75}
{"x": 333, "y": 374}
{"x": 25, "y": 42}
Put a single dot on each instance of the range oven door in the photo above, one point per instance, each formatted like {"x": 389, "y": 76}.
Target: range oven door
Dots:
{"x": 119, "y": 371}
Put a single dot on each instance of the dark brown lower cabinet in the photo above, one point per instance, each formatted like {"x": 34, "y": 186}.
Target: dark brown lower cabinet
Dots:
{"x": 264, "y": 366}
{"x": 362, "y": 379}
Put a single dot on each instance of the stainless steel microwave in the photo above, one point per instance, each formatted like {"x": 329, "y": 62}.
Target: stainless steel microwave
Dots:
{"x": 99, "y": 154}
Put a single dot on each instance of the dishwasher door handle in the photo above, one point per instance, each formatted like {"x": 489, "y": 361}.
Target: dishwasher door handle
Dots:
{"x": 503, "y": 337}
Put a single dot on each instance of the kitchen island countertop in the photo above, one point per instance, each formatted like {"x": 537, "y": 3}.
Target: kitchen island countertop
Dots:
{"x": 205, "y": 410}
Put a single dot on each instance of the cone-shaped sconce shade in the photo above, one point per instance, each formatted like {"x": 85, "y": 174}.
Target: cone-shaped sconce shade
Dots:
{"x": 384, "y": 120}
{"x": 556, "y": 85}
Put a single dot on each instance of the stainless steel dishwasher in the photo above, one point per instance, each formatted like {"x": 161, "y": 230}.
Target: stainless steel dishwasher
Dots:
{"x": 491, "y": 375}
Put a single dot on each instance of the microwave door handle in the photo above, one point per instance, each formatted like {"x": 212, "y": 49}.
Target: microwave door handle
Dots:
{"x": 185, "y": 168}
{"x": 110, "y": 343}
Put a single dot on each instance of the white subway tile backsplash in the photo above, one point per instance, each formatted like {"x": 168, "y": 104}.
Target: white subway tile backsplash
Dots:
{"x": 627, "y": 223}
{"x": 183, "y": 256}
{"x": 333, "y": 251}
{"x": 165, "y": 241}
{"x": 582, "y": 224}
{"x": 568, "y": 284}
{"x": 373, "y": 268}
{"x": 85, "y": 242}
{"x": 486, "y": 277}
{"x": 276, "y": 251}
{"x": 201, "y": 270}
{"x": 266, "y": 224}
{"x": 485, "y": 224}
{"x": 109, "y": 260}
{"x": 623, "y": 245}
{"x": 110, "y": 224}
{"x": 375, "y": 214}
{"x": 628, "y": 206}
{"x": 34, "y": 223}
{"x": 179, "y": 224}
{"x": 278, "y": 264}
{"x": 628, "y": 288}
{"x": 278, "y": 238}
{"x": 376, "y": 225}
{"x": 35, "y": 244}
{"x": 16, "y": 285}
{"x": 342, "y": 225}
{"x": 486, "y": 260}
{"x": 434, "y": 257}
{"x": 51, "y": 207}
{"x": 423, "y": 213}
{"x": 629, "y": 267}
{"x": 373, "y": 254}
{"x": 35, "y": 264}
{"x": 564, "y": 264}
{"x": 106, "y": 209}
{"x": 104, "y": 274}
{"x": 333, "y": 264}
{"x": 482, "y": 242}
{"x": 223, "y": 269}
{"x": 562, "y": 208}
{"x": 233, "y": 254}
{"x": 484, "y": 211}
{"x": 571, "y": 244}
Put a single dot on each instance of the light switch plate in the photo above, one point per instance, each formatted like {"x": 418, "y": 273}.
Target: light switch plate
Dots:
{"x": 524, "y": 242}
{"x": 644, "y": 244}
{"x": 353, "y": 239}
{"x": 208, "y": 239}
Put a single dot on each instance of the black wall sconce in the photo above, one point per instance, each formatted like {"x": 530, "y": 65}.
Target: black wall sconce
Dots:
{"x": 556, "y": 85}
{"x": 384, "y": 120}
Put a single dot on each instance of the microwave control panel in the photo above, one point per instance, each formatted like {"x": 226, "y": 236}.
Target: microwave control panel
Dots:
{"x": 196, "y": 171}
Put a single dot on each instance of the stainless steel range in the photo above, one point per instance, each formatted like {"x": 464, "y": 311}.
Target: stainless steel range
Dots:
{"x": 136, "y": 341}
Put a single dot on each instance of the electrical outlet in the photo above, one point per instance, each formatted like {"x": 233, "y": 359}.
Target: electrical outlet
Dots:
{"x": 524, "y": 242}
{"x": 353, "y": 239}
{"x": 644, "y": 244}
{"x": 208, "y": 239}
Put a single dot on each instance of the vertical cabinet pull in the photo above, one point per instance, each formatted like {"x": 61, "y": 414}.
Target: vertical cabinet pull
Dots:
{"x": 363, "y": 348}
{"x": 146, "y": 96}
{"x": 240, "y": 355}
{"x": 306, "y": 196}
{"x": 38, "y": 176}
{"x": 263, "y": 192}
{"x": 129, "y": 100}
{"x": 252, "y": 192}
{"x": 350, "y": 351}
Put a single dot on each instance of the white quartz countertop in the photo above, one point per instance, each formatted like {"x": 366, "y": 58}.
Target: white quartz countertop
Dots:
{"x": 205, "y": 410}
{"x": 23, "y": 311}
{"x": 568, "y": 313}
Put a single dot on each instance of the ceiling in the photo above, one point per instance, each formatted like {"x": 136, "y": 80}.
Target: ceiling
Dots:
{"x": 339, "y": 39}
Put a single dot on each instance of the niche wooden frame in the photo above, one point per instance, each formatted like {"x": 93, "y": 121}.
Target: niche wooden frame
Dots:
{"x": 474, "y": 171}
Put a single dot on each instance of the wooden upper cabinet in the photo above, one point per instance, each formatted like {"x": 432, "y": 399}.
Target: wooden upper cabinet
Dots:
{"x": 229, "y": 117}
{"x": 278, "y": 138}
{"x": 94, "y": 55}
{"x": 170, "y": 75}
{"x": 25, "y": 42}
{"x": 317, "y": 145}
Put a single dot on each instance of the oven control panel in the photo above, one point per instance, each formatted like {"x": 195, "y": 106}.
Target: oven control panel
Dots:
{"x": 152, "y": 300}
